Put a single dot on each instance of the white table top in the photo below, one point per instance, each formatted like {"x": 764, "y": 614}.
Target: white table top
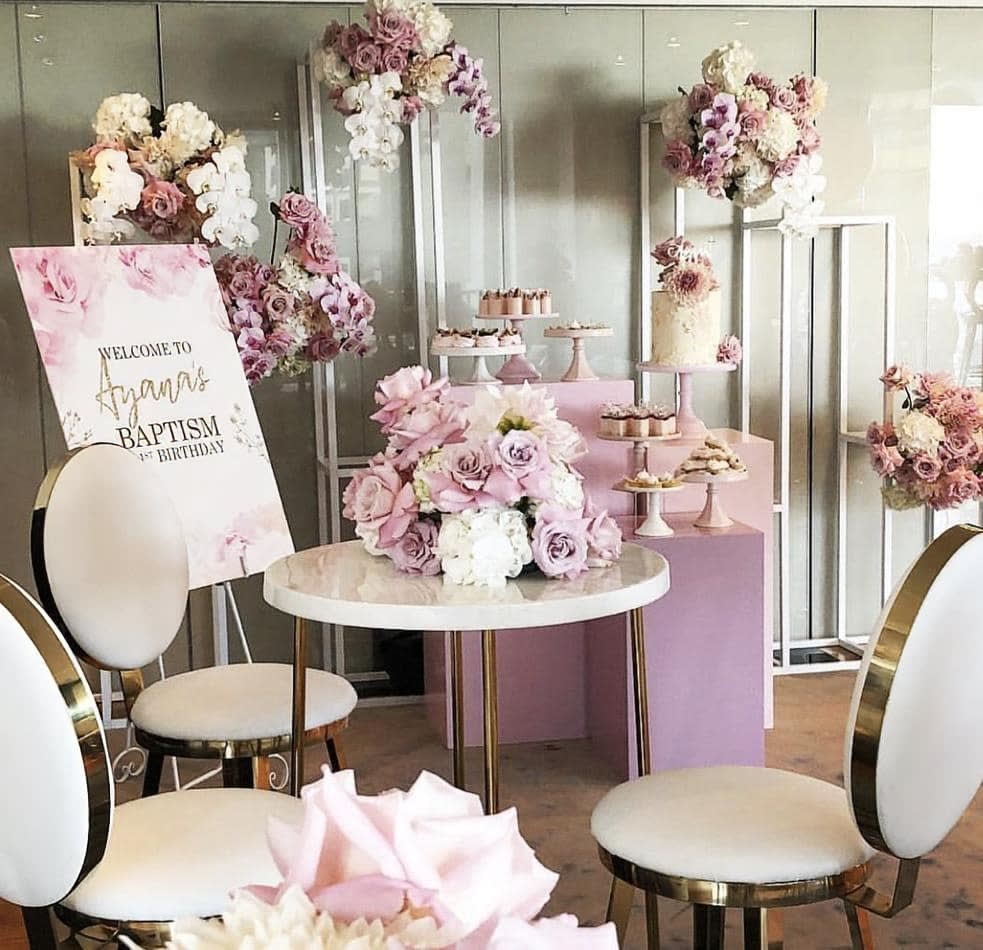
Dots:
{"x": 344, "y": 584}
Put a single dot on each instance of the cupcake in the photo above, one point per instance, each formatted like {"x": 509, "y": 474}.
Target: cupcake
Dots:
{"x": 496, "y": 303}
{"x": 484, "y": 304}
{"x": 530, "y": 302}
{"x": 545, "y": 301}
{"x": 487, "y": 338}
{"x": 513, "y": 302}
{"x": 662, "y": 421}
{"x": 637, "y": 423}
{"x": 463, "y": 338}
{"x": 609, "y": 421}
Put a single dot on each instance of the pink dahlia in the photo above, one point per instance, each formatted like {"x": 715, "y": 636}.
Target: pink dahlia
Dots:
{"x": 689, "y": 283}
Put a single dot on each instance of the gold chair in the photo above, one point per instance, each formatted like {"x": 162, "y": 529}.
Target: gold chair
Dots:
{"x": 111, "y": 567}
{"x": 105, "y": 869}
{"x": 763, "y": 839}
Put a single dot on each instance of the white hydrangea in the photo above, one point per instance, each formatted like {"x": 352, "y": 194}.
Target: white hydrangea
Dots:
{"x": 125, "y": 116}
{"x": 330, "y": 68}
{"x": 483, "y": 547}
{"x": 293, "y": 923}
{"x": 779, "y": 137}
{"x": 675, "y": 121}
{"x": 292, "y": 276}
{"x": 918, "y": 433}
{"x": 728, "y": 66}
{"x": 433, "y": 28}
{"x": 568, "y": 490}
{"x": 754, "y": 97}
{"x": 187, "y": 131}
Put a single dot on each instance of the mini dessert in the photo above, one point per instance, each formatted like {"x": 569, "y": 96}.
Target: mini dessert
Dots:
{"x": 644, "y": 480}
{"x": 530, "y": 302}
{"x": 513, "y": 302}
{"x": 487, "y": 338}
{"x": 662, "y": 420}
{"x": 496, "y": 303}
{"x": 686, "y": 311}
{"x": 463, "y": 339}
{"x": 509, "y": 337}
{"x": 545, "y": 301}
{"x": 484, "y": 304}
{"x": 638, "y": 422}
{"x": 714, "y": 457}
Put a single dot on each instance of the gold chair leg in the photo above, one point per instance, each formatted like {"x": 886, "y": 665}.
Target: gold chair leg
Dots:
{"x": 859, "y": 922}
{"x": 457, "y": 707}
{"x": 489, "y": 683}
{"x": 763, "y": 929}
{"x": 708, "y": 927}
{"x": 619, "y": 907}
{"x": 652, "y": 920}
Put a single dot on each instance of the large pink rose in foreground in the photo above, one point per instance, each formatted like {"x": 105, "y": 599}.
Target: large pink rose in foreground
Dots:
{"x": 377, "y": 498}
{"x": 430, "y": 850}
{"x": 405, "y": 390}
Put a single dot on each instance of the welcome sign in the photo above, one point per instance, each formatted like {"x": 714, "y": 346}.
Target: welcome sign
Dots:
{"x": 137, "y": 350}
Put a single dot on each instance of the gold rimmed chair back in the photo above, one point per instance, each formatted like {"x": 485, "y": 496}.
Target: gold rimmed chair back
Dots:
{"x": 110, "y": 561}
{"x": 763, "y": 839}
{"x": 105, "y": 870}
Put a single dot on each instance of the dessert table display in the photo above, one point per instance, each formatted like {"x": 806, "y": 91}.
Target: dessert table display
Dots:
{"x": 479, "y": 352}
{"x": 653, "y": 487}
{"x": 344, "y": 584}
{"x": 517, "y": 369}
{"x": 579, "y": 368}
{"x": 687, "y": 421}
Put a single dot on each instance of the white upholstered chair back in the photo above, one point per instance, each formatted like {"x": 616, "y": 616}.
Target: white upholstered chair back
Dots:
{"x": 914, "y": 750}
{"x": 56, "y": 815}
{"x": 110, "y": 558}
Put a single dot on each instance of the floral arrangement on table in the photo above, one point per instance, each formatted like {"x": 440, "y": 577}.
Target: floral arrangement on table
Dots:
{"x": 174, "y": 174}
{"x": 383, "y": 77}
{"x": 742, "y": 135}
{"x": 933, "y": 455}
{"x": 416, "y": 870}
{"x": 687, "y": 277}
{"x": 477, "y": 492}
{"x": 306, "y": 309}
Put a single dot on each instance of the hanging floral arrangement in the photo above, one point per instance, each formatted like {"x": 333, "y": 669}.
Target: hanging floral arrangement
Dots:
{"x": 175, "y": 175}
{"x": 383, "y": 76}
{"x": 301, "y": 311}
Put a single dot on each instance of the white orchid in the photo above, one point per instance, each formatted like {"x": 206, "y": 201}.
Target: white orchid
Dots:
{"x": 222, "y": 186}
{"x": 799, "y": 194}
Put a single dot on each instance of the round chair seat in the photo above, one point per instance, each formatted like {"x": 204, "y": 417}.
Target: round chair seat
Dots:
{"x": 731, "y": 824}
{"x": 180, "y": 854}
{"x": 237, "y": 702}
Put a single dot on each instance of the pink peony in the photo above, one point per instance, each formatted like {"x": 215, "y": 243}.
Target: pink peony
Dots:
{"x": 378, "y": 498}
{"x": 603, "y": 537}
{"x": 161, "y": 199}
{"x": 415, "y": 551}
{"x": 560, "y": 544}
{"x": 298, "y": 212}
{"x": 405, "y": 390}
{"x": 678, "y": 159}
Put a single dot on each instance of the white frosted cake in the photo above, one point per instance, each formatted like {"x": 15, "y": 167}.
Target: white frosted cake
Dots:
{"x": 685, "y": 336}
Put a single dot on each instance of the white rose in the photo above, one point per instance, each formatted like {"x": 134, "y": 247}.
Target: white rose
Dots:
{"x": 728, "y": 66}
{"x": 675, "y": 121}
{"x": 126, "y": 116}
{"x": 567, "y": 489}
{"x": 918, "y": 432}
{"x": 187, "y": 131}
{"x": 779, "y": 137}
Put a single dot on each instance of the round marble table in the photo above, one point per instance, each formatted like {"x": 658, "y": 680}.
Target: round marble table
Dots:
{"x": 343, "y": 584}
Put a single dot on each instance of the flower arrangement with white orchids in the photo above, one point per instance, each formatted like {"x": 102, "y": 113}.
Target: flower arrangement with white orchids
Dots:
{"x": 383, "y": 77}
{"x": 174, "y": 174}
{"x": 477, "y": 492}
{"x": 744, "y": 136}
{"x": 416, "y": 870}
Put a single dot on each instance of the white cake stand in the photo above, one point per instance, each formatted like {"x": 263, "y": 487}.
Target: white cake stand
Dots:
{"x": 640, "y": 444}
{"x": 517, "y": 368}
{"x": 480, "y": 375}
{"x": 654, "y": 525}
{"x": 579, "y": 367}
{"x": 687, "y": 421}
{"x": 713, "y": 514}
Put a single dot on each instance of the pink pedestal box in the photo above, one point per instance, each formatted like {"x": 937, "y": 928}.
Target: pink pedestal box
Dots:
{"x": 703, "y": 655}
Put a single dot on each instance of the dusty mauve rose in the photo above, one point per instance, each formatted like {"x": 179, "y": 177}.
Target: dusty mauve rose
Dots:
{"x": 952, "y": 490}
{"x": 322, "y": 347}
{"x": 161, "y": 199}
{"x": 559, "y": 543}
{"x": 414, "y": 552}
{"x": 393, "y": 59}
{"x": 783, "y": 98}
{"x": 520, "y": 453}
{"x": 752, "y": 122}
{"x": 377, "y": 497}
{"x": 927, "y": 467}
{"x": 349, "y": 40}
{"x": 959, "y": 444}
{"x": 366, "y": 58}
{"x": 392, "y": 29}
{"x": 678, "y": 159}
{"x": 896, "y": 377}
{"x": 298, "y": 211}
{"x": 700, "y": 97}
{"x": 885, "y": 459}
{"x": 467, "y": 464}
{"x": 315, "y": 251}
{"x": 277, "y": 302}
{"x": 878, "y": 434}
{"x": 787, "y": 166}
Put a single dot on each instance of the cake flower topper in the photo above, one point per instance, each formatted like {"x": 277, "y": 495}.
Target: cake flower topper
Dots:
{"x": 741, "y": 135}
{"x": 383, "y": 77}
{"x": 174, "y": 174}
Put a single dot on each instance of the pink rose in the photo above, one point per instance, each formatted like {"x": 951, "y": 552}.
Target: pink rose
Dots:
{"x": 878, "y": 434}
{"x": 952, "y": 490}
{"x": 314, "y": 250}
{"x": 378, "y": 498}
{"x": 701, "y": 97}
{"x": 366, "y": 58}
{"x": 393, "y": 59}
{"x": 415, "y": 551}
{"x": 809, "y": 138}
{"x": 161, "y": 199}
{"x": 322, "y": 347}
{"x": 405, "y": 390}
{"x": 468, "y": 465}
{"x": 927, "y": 467}
{"x": 426, "y": 428}
{"x": 277, "y": 302}
{"x": 784, "y": 98}
{"x": 298, "y": 212}
{"x": 678, "y": 159}
{"x": 896, "y": 377}
{"x": 349, "y": 39}
{"x": 520, "y": 453}
{"x": 960, "y": 444}
{"x": 752, "y": 122}
{"x": 559, "y": 542}
{"x": 603, "y": 537}
{"x": 787, "y": 166}
{"x": 885, "y": 459}
{"x": 393, "y": 29}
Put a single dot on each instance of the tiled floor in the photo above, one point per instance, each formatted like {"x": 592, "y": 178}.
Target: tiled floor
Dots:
{"x": 555, "y": 786}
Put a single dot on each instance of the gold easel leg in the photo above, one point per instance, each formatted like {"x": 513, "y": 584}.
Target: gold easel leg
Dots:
{"x": 457, "y": 707}
{"x": 640, "y": 684}
{"x": 299, "y": 707}
{"x": 489, "y": 684}
{"x": 763, "y": 928}
{"x": 619, "y": 907}
{"x": 652, "y": 920}
{"x": 860, "y": 936}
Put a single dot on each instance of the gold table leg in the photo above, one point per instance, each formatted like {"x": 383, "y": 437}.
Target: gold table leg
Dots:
{"x": 619, "y": 907}
{"x": 489, "y": 688}
{"x": 640, "y": 683}
{"x": 299, "y": 707}
{"x": 457, "y": 707}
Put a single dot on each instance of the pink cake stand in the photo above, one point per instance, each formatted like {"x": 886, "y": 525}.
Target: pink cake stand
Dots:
{"x": 480, "y": 373}
{"x": 654, "y": 525}
{"x": 517, "y": 368}
{"x": 579, "y": 367}
{"x": 713, "y": 514}
{"x": 640, "y": 444}
{"x": 687, "y": 421}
